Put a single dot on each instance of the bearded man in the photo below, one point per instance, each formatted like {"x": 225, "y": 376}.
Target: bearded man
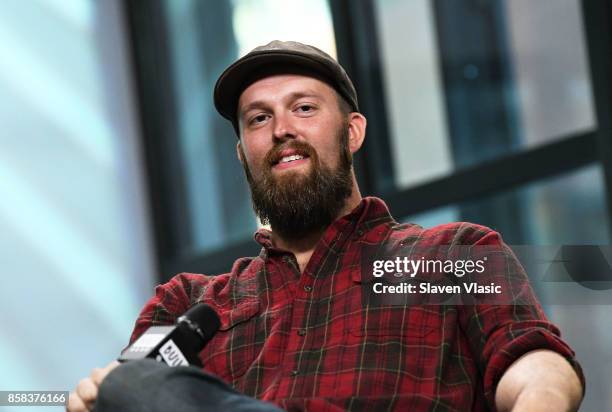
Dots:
{"x": 294, "y": 330}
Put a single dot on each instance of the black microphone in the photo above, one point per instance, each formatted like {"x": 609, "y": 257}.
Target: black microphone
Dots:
{"x": 177, "y": 345}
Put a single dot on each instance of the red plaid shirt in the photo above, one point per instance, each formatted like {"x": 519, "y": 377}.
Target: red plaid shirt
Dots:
{"x": 305, "y": 341}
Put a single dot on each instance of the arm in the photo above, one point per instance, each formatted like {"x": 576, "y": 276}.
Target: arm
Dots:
{"x": 540, "y": 380}
{"x": 525, "y": 364}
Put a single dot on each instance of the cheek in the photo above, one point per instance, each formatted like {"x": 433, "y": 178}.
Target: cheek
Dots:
{"x": 254, "y": 152}
{"x": 331, "y": 149}
{"x": 255, "y": 160}
{"x": 329, "y": 156}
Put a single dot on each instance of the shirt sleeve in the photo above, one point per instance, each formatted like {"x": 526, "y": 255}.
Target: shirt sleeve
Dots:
{"x": 170, "y": 301}
{"x": 500, "y": 334}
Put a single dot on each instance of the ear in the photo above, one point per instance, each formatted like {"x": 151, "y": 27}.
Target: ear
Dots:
{"x": 357, "y": 129}
{"x": 239, "y": 152}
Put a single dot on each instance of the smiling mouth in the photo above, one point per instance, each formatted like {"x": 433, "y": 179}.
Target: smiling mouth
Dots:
{"x": 290, "y": 161}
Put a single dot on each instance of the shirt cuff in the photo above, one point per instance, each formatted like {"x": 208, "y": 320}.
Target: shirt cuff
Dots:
{"x": 523, "y": 339}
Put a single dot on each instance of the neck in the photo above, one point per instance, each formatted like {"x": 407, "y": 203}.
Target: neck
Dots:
{"x": 303, "y": 247}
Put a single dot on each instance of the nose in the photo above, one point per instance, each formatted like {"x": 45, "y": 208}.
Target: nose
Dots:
{"x": 283, "y": 128}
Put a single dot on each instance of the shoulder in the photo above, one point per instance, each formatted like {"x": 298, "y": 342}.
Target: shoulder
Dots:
{"x": 192, "y": 288}
{"x": 455, "y": 233}
{"x": 184, "y": 290}
{"x": 463, "y": 233}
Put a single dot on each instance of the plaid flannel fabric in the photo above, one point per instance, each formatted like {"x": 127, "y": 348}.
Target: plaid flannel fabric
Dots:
{"x": 306, "y": 341}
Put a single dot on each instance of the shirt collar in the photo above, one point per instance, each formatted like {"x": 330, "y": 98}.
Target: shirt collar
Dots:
{"x": 370, "y": 211}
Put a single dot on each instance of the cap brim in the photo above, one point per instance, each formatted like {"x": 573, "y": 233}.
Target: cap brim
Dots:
{"x": 245, "y": 71}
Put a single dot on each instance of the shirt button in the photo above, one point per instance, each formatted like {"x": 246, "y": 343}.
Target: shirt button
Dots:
{"x": 360, "y": 232}
{"x": 294, "y": 372}
{"x": 301, "y": 332}
{"x": 308, "y": 288}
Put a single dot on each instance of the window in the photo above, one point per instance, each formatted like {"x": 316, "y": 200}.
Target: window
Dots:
{"x": 466, "y": 82}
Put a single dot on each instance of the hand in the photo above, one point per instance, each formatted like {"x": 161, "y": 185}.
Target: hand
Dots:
{"x": 86, "y": 392}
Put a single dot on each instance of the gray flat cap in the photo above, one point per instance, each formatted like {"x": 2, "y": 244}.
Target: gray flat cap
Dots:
{"x": 279, "y": 57}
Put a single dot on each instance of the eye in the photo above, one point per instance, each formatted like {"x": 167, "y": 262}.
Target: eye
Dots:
{"x": 260, "y": 118}
{"x": 305, "y": 108}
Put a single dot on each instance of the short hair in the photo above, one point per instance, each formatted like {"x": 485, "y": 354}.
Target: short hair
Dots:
{"x": 343, "y": 105}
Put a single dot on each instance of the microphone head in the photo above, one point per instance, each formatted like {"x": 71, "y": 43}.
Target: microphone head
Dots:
{"x": 205, "y": 318}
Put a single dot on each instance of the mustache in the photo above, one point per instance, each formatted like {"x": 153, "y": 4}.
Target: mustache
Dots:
{"x": 300, "y": 148}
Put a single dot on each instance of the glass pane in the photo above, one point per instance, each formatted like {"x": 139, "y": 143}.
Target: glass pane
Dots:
{"x": 551, "y": 71}
{"x": 466, "y": 82}
{"x": 567, "y": 209}
{"x": 414, "y": 91}
{"x": 205, "y": 37}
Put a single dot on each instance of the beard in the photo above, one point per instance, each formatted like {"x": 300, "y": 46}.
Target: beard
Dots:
{"x": 298, "y": 204}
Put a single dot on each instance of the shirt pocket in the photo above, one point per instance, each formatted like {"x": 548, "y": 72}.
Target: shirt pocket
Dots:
{"x": 237, "y": 343}
{"x": 401, "y": 341}
{"x": 241, "y": 313}
{"x": 401, "y": 321}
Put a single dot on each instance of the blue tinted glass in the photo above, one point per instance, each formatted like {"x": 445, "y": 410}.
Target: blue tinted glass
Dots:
{"x": 469, "y": 81}
{"x": 566, "y": 209}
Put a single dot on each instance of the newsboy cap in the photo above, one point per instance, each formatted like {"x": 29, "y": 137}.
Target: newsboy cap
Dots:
{"x": 279, "y": 57}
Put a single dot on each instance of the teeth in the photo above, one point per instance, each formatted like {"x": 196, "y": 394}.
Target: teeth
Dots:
{"x": 290, "y": 158}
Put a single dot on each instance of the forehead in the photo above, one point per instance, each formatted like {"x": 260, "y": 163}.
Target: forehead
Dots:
{"x": 282, "y": 86}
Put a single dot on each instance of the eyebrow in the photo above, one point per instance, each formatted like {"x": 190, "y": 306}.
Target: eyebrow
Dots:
{"x": 259, "y": 104}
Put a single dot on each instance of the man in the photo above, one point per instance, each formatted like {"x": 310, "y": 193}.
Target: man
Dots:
{"x": 294, "y": 330}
